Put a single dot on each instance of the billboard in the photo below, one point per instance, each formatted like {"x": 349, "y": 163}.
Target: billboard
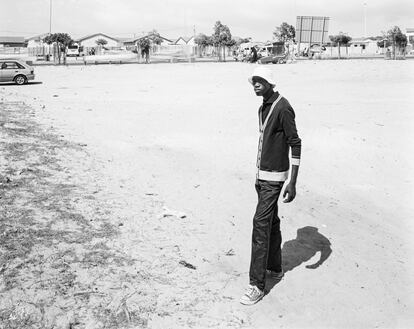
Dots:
{"x": 312, "y": 29}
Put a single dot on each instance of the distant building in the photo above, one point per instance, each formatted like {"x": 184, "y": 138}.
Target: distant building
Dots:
{"x": 363, "y": 46}
{"x": 122, "y": 40}
{"x": 12, "y": 42}
{"x": 410, "y": 35}
{"x": 89, "y": 41}
{"x": 410, "y": 38}
{"x": 36, "y": 41}
{"x": 134, "y": 41}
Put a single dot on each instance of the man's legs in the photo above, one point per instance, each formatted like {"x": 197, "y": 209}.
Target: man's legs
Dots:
{"x": 268, "y": 194}
{"x": 274, "y": 259}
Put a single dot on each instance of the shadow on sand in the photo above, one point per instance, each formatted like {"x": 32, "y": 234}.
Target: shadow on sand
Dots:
{"x": 27, "y": 83}
{"x": 307, "y": 243}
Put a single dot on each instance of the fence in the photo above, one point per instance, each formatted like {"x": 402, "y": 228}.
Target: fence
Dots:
{"x": 13, "y": 50}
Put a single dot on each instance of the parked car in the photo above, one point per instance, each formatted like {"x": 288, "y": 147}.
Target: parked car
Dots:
{"x": 314, "y": 49}
{"x": 17, "y": 71}
{"x": 276, "y": 53}
{"x": 74, "y": 50}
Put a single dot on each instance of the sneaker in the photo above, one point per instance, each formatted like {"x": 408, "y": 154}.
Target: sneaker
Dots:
{"x": 252, "y": 295}
{"x": 275, "y": 275}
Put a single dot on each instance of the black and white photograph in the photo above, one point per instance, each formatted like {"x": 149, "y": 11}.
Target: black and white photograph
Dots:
{"x": 206, "y": 164}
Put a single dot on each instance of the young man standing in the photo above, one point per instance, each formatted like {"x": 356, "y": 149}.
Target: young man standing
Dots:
{"x": 277, "y": 135}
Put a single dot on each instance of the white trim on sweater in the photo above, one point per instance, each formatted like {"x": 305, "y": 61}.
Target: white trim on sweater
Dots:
{"x": 274, "y": 176}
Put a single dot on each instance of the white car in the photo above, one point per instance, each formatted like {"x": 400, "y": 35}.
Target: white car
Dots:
{"x": 17, "y": 71}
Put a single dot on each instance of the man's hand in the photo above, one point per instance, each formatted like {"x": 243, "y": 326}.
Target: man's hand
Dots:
{"x": 290, "y": 191}
{"x": 313, "y": 266}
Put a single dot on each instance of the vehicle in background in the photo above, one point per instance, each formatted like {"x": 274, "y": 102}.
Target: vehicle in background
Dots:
{"x": 74, "y": 50}
{"x": 265, "y": 51}
{"x": 316, "y": 49}
{"x": 276, "y": 53}
{"x": 312, "y": 50}
{"x": 17, "y": 71}
{"x": 244, "y": 52}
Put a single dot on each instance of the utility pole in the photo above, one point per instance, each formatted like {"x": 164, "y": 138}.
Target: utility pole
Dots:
{"x": 365, "y": 19}
{"x": 194, "y": 36}
{"x": 50, "y": 32}
{"x": 50, "y": 17}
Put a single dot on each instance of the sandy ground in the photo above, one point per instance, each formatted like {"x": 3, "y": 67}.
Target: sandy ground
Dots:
{"x": 128, "y": 194}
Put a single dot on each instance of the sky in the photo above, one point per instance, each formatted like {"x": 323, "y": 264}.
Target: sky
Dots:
{"x": 173, "y": 18}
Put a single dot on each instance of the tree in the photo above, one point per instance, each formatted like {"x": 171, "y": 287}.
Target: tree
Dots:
{"x": 221, "y": 38}
{"x": 231, "y": 43}
{"x": 285, "y": 32}
{"x": 146, "y": 43}
{"x": 384, "y": 43}
{"x": 242, "y": 40}
{"x": 203, "y": 41}
{"x": 397, "y": 39}
{"x": 401, "y": 41}
{"x": 155, "y": 37}
{"x": 101, "y": 42}
{"x": 340, "y": 39}
{"x": 62, "y": 40}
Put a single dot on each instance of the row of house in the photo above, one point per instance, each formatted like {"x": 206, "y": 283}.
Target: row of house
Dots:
{"x": 90, "y": 41}
{"x": 361, "y": 46}
{"x": 35, "y": 46}
{"x": 182, "y": 44}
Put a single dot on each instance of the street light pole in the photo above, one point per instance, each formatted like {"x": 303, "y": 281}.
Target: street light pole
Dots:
{"x": 50, "y": 31}
{"x": 365, "y": 19}
{"x": 50, "y": 17}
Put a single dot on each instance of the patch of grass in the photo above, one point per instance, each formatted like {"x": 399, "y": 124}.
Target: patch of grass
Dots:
{"x": 46, "y": 225}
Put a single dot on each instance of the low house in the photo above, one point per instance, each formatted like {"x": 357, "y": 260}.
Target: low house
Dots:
{"x": 14, "y": 42}
{"x": 132, "y": 43}
{"x": 90, "y": 41}
{"x": 36, "y": 46}
{"x": 183, "y": 46}
{"x": 363, "y": 46}
{"x": 36, "y": 41}
{"x": 410, "y": 39}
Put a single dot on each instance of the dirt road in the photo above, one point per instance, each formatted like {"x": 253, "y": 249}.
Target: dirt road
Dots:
{"x": 127, "y": 196}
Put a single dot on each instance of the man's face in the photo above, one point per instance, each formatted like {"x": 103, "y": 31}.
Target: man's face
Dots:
{"x": 260, "y": 86}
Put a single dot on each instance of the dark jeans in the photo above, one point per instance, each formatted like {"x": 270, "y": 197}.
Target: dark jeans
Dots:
{"x": 266, "y": 237}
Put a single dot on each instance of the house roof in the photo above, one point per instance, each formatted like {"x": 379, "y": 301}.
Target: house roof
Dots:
{"x": 123, "y": 39}
{"x": 151, "y": 35}
{"x": 37, "y": 37}
{"x": 12, "y": 40}
{"x": 409, "y": 30}
{"x": 185, "y": 39}
{"x": 362, "y": 40}
{"x": 95, "y": 35}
